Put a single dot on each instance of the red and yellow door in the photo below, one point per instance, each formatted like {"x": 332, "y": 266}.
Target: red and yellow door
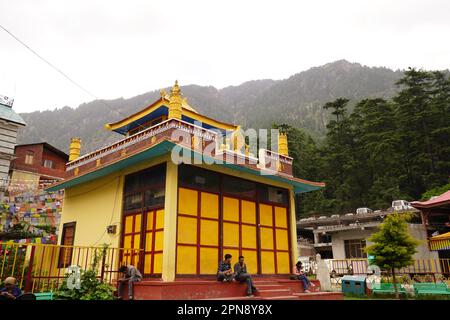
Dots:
{"x": 210, "y": 225}
{"x": 145, "y": 232}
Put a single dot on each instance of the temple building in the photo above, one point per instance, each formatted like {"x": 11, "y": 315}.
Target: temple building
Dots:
{"x": 183, "y": 215}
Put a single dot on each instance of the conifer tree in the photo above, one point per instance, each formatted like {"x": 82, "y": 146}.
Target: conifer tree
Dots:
{"x": 393, "y": 246}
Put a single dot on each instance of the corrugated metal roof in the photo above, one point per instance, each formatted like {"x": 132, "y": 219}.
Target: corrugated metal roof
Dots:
{"x": 440, "y": 200}
{"x": 9, "y": 114}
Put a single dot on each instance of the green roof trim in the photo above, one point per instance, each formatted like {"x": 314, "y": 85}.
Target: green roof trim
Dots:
{"x": 161, "y": 149}
{"x": 9, "y": 114}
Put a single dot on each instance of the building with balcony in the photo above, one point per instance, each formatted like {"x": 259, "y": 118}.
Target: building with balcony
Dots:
{"x": 184, "y": 189}
{"x": 36, "y": 165}
{"x": 346, "y": 236}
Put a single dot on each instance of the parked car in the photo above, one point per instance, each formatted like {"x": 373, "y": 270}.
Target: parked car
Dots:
{"x": 363, "y": 210}
{"x": 349, "y": 214}
{"x": 399, "y": 205}
{"x": 335, "y": 216}
{"x": 322, "y": 217}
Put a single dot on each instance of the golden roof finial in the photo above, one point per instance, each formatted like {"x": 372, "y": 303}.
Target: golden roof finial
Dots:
{"x": 175, "y": 89}
{"x": 163, "y": 93}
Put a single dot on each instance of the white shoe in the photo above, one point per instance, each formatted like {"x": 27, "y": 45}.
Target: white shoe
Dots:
{"x": 312, "y": 284}
{"x": 307, "y": 291}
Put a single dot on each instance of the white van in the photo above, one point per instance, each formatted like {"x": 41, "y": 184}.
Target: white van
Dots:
{"x": 399, "y": 205}
{"x": 363, "y": 210}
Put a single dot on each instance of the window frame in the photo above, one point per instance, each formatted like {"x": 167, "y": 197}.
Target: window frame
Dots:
{"x": 61, "y": 262}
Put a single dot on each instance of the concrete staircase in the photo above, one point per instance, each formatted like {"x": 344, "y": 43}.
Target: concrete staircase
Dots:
{"x": 275, "y": 289}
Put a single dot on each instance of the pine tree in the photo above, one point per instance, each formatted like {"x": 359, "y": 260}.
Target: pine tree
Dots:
{"x": 393, "y": 246}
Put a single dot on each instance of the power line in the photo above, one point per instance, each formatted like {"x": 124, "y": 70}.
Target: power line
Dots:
{"x": 62, "y": 73}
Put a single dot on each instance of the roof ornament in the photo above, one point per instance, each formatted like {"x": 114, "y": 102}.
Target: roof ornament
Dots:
{"x": 163, "y": 93}
{"x": 175, "y": 102}
{"x": 175, "y": 89}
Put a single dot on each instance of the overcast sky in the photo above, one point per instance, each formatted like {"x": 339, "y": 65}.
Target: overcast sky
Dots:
{"x": 125, "y": 48}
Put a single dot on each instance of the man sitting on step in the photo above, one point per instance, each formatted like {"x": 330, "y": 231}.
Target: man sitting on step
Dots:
{"x": 241, "y": 275}
{"x": 298, "y": 274}
{"x": 131, "y": 275}
{"x": 224, "y": 272}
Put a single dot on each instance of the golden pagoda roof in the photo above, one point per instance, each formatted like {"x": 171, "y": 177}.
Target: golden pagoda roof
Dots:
{"x": 163, "y": 101}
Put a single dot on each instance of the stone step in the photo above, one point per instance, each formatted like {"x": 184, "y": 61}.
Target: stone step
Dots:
{"x": 236, "y": 298}
{"x": 274, "y": 292}
{"x": 290, "y": 297}
{"x": 319, "y": 296}
{"x": 270, "y": 286}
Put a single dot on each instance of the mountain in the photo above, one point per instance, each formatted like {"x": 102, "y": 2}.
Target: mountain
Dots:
{"x": 296, "y": 101}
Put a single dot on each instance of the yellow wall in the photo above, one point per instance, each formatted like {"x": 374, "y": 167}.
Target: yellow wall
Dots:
{"x": 97, "y": 204}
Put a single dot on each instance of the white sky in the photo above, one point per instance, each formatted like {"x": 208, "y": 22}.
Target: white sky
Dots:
{"x": 125, "y": 48}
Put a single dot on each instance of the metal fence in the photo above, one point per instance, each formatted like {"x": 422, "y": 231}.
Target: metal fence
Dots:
{"x": 420, "y": 266}
{"x": 43, "y": 267}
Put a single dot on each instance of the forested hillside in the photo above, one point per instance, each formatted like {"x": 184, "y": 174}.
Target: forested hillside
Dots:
{"x": 257, "y": 104}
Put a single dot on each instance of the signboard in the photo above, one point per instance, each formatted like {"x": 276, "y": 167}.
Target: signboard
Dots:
{"x": 6, "y": 101}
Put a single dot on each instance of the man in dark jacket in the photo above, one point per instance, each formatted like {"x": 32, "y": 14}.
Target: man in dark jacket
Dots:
{"x": 241, "y": 275}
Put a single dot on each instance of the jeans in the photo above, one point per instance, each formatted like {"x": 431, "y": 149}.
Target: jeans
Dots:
{"x": 304, "y": 280}
{"x": 245, "y": 277}
{"x": 130, "y": 286}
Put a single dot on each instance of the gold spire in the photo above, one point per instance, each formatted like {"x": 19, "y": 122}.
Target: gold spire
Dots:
{"x": 74, "y": 149}
{"x": 283, "y": 144}
{"x": 175, "y": 89}
{"x": 175, "y": 102}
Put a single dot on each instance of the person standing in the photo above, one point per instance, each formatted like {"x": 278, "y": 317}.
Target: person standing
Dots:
{"x": 131, "y": 275}
{"x": 241, "y": 275}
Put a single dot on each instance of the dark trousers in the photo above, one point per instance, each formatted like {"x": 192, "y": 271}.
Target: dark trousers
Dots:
{"x": 221, "y": 277}
{"x": 130, "y": 283}
{"x": 245, "y": 277}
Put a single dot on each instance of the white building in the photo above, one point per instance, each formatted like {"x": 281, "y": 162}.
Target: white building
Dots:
{"x": 10, "y": 122}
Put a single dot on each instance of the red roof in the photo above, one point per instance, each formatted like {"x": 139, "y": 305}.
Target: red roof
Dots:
{"x": 436, "y": 202}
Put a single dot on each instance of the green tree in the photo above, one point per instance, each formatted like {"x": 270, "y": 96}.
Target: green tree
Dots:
{"x": 377, "y": 144}
{"x": 306, "y": 164}
{"x": 393, "y": 246}
{"x": 435, "y": 192}
{"x": 341, "y": 166}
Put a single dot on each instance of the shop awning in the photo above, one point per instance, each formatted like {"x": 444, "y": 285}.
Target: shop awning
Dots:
{"x": 440, "y": 242}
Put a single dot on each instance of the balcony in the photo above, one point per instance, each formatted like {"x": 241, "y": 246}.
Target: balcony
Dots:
{"x": 183, "y": 134}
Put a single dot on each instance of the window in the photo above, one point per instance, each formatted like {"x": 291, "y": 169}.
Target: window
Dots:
{"x": 67, "y": 239}
{"x": 133, "y": 201}
{"x": 154, "y": 197}
{"x": 145, "y": 189}
{"x": 194, "y": 177}
{"x": 48, "y": 164}
{"x": 271, "y": 194}
{"x": 239, "y": 187}
{"x": 355, "y": 248}
{"x": 29, "y": 157}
